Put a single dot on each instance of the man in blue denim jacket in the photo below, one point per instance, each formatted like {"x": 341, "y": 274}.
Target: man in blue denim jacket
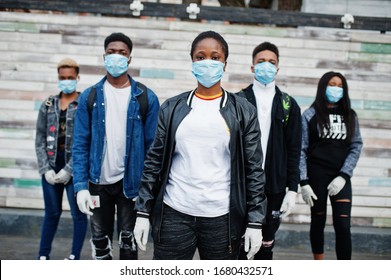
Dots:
{"x": 110, "y": 143}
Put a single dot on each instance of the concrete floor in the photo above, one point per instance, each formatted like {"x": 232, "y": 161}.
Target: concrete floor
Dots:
{"x": 20, "y": 237}
{"x": 26, "y": 248}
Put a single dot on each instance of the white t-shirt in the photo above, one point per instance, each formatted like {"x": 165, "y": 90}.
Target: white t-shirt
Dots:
{"x": 116, "y": 107}
{"x": 200, "y": 175}
{"x": 264, "y": 95}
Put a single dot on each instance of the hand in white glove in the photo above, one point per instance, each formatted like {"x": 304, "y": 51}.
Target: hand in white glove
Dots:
{"x": 49, "y": 177}
{"x": 252, "y": 241}
{"x": 62, "y": 177}
{"x": 288, "y": 203}
{"x": 141, "y": 232}
{"x": 84, "y": 202}
{"x": 308, "y": 195}
{"x": 336, "y": 185}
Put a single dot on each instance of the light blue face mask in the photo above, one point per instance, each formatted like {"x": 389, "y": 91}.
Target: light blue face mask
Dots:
{"x": 334, "y": 94}
{"x": 265, "y": 72}
{"x": 67, "y": 86}
{"x": 208, "y": 72}
{"x": 116, "y": 64}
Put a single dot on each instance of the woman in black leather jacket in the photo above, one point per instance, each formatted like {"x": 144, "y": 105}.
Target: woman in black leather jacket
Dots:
{"x": 203, "y": 182}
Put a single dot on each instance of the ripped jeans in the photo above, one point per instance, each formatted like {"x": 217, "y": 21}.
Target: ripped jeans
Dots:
{"x": 341, "y": 205}
{"x": 269, "y": 228}
{"x": 111, "y": 201}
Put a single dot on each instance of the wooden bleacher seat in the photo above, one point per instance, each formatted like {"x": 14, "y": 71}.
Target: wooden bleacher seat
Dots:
{"x": 32, "y": 44}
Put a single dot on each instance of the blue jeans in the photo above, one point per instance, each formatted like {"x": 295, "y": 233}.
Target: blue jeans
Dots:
{"x": 52, "y": 195}
{"x": 112, "y": 200}
{"x": 182, "y": 234}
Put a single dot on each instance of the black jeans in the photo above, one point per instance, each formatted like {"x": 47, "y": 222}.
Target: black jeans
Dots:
{"x": 341, "y": 205}
{"x": 182, "y": 234}
{"x": 112, "y": 200}
{"x": 269, "y": 228}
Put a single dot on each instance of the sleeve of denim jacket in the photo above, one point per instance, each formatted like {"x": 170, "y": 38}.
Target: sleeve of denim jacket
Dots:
{"x": 151, "y": 120}
{"x": 255, "y": 175}
{"x": 305, "y": 119}
{"x": 354, "y": 151}
{"x": 81, "y": 144}
{"x": 69, "y": 164}
{"x": 40, "y": 140}
{"x": 149, "y": 186}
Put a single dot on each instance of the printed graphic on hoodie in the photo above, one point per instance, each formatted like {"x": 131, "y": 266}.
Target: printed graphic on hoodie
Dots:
{"x": 337, "y": 128}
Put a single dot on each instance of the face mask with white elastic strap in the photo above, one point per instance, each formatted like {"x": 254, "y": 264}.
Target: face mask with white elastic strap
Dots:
{"x": 208, "y": 72}
{"x": 67, "y": 86}
{"x": 116, "y": 64}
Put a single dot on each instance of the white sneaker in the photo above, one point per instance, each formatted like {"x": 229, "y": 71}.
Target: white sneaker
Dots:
{"x": 71, "y": 257}
{"x": 42, "y": 258}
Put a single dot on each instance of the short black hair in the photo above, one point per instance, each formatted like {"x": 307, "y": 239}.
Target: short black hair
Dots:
{"x": 114, "y": 37}
{"x": 213, "y": 35}
{"x": 266, "y": 46}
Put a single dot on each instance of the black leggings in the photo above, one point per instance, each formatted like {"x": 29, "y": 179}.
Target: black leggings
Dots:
{"x": 341, "y": 205}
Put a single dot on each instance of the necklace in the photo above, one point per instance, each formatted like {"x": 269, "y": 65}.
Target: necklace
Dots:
{"x": 124, "y": 85}
{"x": 127, "y": 81}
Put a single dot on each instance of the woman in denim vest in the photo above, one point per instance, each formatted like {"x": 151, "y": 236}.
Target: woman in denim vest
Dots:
{"x": 53, "y": 144}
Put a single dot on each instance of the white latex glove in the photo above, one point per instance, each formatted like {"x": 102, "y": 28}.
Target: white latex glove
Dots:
{"x": 308, "y": 195}
{"x": 252, "y": 241}
{"x": 49, "y": 177}
{"x": 84, "y": 202}
{"x": 62, "y": 177}
{"x": 141, "y": 232}
{"x": 288, "y": 203}
{"x": 336, "y": 185}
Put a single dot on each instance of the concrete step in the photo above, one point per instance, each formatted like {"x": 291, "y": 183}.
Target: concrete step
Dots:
{"x": 290, "y": 240}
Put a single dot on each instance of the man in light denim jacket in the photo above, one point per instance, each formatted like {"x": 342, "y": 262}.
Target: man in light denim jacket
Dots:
{"x": 111, "y": 140}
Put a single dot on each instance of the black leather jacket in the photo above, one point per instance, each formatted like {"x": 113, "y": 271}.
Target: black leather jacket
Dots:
{"x": 247, "y": 199}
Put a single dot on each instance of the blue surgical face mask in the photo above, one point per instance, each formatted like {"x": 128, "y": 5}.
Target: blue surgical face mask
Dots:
{"x": 208, "y": 72}
{"x": 265, "y": 72}
{"x": 67, "y": 86}
{"x": 116, "y": 64}
{"x": 334, "y": 94}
